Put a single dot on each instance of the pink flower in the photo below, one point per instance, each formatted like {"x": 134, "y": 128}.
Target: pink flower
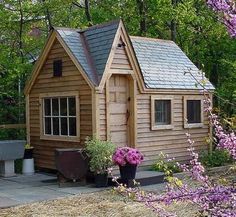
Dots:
{"x": 127, "y": 155}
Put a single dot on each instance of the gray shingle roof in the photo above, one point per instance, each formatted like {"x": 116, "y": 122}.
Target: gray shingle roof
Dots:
{"x": 100, "y": 40}
{"x": 91, "y": 47}
{"x": 163, "y": 65}
{"x": 74, "y": 41}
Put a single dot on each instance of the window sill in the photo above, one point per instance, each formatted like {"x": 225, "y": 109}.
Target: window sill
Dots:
{"x": 197, "y": 125}
{"x": 162, "y": 127}
{"x": 60, "y": 138}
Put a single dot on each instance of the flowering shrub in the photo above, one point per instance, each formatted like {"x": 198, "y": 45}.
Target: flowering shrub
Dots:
{"x": 127, "y": 155}
{"x": 227, "y": 11}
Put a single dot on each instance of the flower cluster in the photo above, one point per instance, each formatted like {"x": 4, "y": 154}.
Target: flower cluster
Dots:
{"x": 228, "y": 10}
{"x": 127, "y": 155}
{"x": 225, "y": 140}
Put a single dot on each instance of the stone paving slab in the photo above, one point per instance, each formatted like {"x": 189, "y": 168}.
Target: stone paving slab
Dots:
{"x": 6, "y": 202}
{"x": 27, "y": 189}
{"x": 38, "y": 187}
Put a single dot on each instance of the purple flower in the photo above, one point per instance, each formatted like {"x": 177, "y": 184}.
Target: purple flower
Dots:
{"x": 126, "y": 155}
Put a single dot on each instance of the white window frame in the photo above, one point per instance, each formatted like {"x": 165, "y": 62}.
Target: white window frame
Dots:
{"x": 193, "y": 125}
{"x": 42, "y": 116}
{"x": 163, "y": 126}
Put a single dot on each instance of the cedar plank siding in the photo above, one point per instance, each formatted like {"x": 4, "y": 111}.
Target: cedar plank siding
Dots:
{"x": 102, "y": 114}
{"x": 71, "y": 80}
{"x": 170, "y": 141}
{"x": 151, "y": 142}
{"x": 120, "y": 60}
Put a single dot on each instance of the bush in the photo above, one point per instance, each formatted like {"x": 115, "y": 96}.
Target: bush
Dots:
{"x": 100, "y": 154}
{"x": 164, "y": 165}
{"x": 216, "y": 158}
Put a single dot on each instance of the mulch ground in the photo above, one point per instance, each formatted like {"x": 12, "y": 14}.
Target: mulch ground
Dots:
{"x": 101, "y": 204}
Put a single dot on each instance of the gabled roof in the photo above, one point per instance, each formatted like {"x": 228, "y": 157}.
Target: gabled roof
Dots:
{"x": 165, "y": 65}
{"x": 91, "y": 47}
{"x": 162, "y": 63}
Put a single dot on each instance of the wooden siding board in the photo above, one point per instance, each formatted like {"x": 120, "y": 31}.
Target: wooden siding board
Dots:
{"x": 172, "y": 142}
{"x": 71, "y": 80}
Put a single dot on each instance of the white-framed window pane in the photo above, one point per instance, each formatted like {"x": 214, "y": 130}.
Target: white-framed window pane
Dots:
{"x": 162, "y": 112}
{"x": 63, "y": 106}
{"x": 72, "y": 126}
{"x": 47, "y": 126}
{"x": 194, "y": 111}
{"x": 64, "y": 127}
{"x": 47, "y": 107}
{"x": 72, "y": 107}
{"x": 55, "y": 126}
{"x": 55, "y": 107}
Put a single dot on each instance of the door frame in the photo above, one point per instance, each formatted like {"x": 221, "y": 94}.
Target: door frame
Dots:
{"x": 132, "y": 125}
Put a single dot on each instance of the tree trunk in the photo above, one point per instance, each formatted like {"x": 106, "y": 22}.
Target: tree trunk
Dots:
{"x": 142, "y": 13}
{"x": 87, "y": 12}
{"x": 173, "y": 23}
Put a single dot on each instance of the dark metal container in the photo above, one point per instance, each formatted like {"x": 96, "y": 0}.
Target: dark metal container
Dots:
{"x": 71, "y": 164}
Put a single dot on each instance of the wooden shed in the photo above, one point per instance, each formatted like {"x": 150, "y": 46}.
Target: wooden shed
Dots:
{"x": 100, "y": 81}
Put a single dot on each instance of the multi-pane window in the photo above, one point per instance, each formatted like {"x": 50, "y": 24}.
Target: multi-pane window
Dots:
{"x": 194, "y": 111}
{"x": 59, "y": 116}
{"x": 162, "y": 112}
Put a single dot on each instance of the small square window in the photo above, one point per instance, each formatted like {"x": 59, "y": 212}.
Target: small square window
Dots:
{"x": 194, "y": 111}
{"x": 162, "y": 112}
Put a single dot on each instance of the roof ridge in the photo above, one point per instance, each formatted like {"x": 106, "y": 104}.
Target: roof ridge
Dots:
{"x": 151, "y": 39}
{"x": 97, "y": 26}
{"x": 88, "y": 56}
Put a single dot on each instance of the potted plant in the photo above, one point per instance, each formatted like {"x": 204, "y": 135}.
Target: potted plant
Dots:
{"x": 100, "y": 159}
{"x": 127, "y": 159}
{"x": 28, "y": 154}
{"x": 28, "y": 161}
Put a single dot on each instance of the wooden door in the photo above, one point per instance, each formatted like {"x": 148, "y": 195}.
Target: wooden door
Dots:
{"x": 119, "y": 100}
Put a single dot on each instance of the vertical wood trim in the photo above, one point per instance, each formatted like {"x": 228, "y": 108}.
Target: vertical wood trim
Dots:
{"x": 95, "y": 114}
{"x": 27, "y": 115}
{"x": 110, "y": 58}
{"x": 77, "y": 103}
{"x": 108, "y": 110}
{"x": 41, "y": 129}
{"x": 211, "y": 128}
{"x": 133, "y": 106}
